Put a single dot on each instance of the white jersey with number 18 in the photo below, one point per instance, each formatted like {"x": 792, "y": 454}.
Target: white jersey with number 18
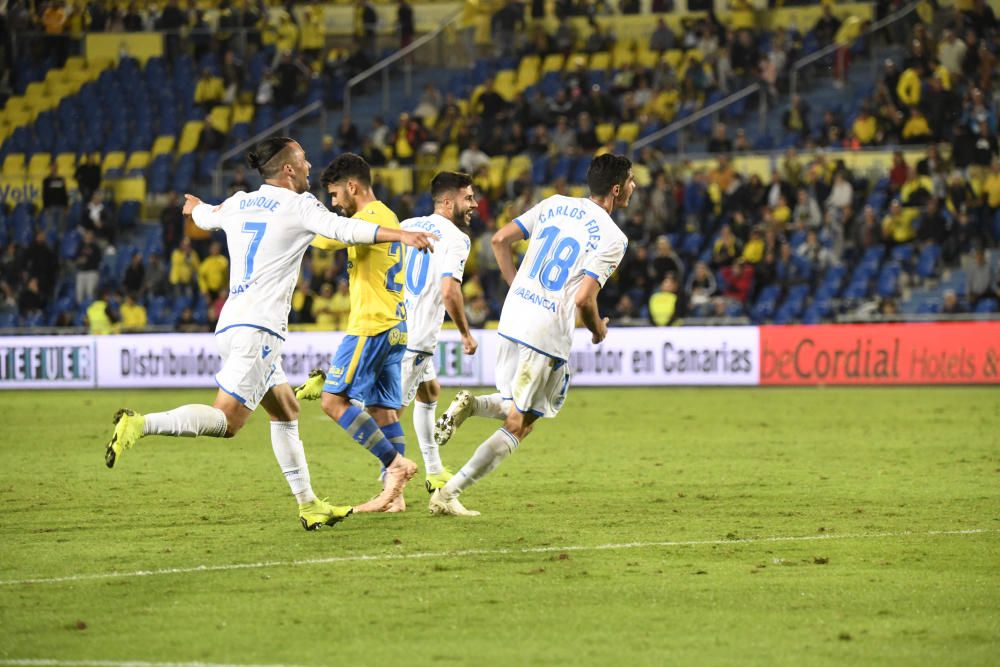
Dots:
{"x": 424, "y": 272}
{"x": 568, "y": 238}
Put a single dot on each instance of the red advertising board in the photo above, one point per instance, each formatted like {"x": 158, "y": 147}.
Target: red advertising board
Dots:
{"x": 933, "y": 353}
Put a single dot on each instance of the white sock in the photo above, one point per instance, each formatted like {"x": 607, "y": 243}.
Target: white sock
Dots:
{"x": 485, "y": 460}
{"x": 423, "y": 425}
{"x": 292, "y": 459}
{"x": 491, "y": 405}
{"x": 187, "y": 421}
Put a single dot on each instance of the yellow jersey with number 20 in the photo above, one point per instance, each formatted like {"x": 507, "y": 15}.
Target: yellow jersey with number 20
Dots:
{"x": 376, "y": 276}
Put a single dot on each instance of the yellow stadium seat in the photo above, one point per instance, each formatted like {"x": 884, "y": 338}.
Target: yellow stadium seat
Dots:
{"x": 623, "y": 55}
{"x": 528, "y": 71}
{"x": 129, "y": 189}
{"x": 497, "y": 169}
{"x": 605, "y": 132}
{"x": 579, "y": 191}
{"x": 517, "y": 166}
{"x": 34, "y": 90}
{"x": 163, "y": 145}
{"x": 219, "y": 118}
{"x": 75, "y": 63}
{"x": 600, "y": 61}
{"x": 137, "y": 160}
{"x": 627, "y": 132}
{"x": 673, "y": 57}
{"x": 115, "y": 160}
{"x": 449, "y": 158}
{"x": 548, "y": 191}
{"x": 504, "y": 83}
{"x": 242, "y": 113}
{"x": 66, "y": 164}
{"x": 14, "y": 165}
{"x": 190, "y": 136}
{"x": 648, "y": 58}
{"x": 641, "y": 174}
{"x": 397, "y": 179}
{"x": 553, "y": 63}
{"x": 38, "y": 166}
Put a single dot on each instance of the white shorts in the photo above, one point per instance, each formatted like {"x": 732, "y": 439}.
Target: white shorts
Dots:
{"x": 537, "y": 383}
{"x": 251, "y": 364}
{"x": 417, "y": 368}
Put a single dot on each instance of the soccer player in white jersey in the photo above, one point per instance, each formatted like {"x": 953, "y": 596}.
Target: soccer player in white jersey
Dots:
{"x": 267, "y": 232}
{"x": 573, "y": 248}
{"x": 434, "y": 285}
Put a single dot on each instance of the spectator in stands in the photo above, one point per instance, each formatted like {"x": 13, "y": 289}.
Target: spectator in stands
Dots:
{"x": 796, "y": 119}
{"x": 98, "y": 217}
{"x": 701, "y": 287}
{"x": 54, "y": 24}
{"x": 899, "y": 171}
{"x": 184, "y": 264}
{"x": 625, "y": 311}
{"x": 563, "y": 137}
{"x": 134, "y": 280}
{"x": 897, "y": 225}
{"x": 951, "y": 52}
{"x": 172, "y": 222}
{"x": 8, "y": 301}
{"x": 980, "y": 282}
{"x": 664, "y": 304}
{"x": 472, "y": 158}
{"x": 290, "y": 77}
{"x": 908, "y": 88}
{"x": 88, "y": 263}
{"x": 586, "y": 136}
{"x": 348, "y": 138}
{"x": 599, "y": 38}
{"x": 826, "y": 26}
{"x": 812, "y": 251}
{"x": 790, "y": 269}
{"x": 133, "y": 314}
{"x": 726, "y": 248}
{"x": 322, "y": 308}
{"x": 916, "y": 130}
{"x": 88, "y": 176}
{"x": 663, "y": 38}
{"x": 41, "y": 262}
{"x": 720, "y": 142}
{"x": 737, "y": 281}
{"x": 477, "y": 311}
{"x": 366, "y": 18}
{"x": 991, "y": 190}
{"x": 917, "y": 189}
{"x": 208, "y": 91}
{"x": 807, "y": 214}
{"x": 55, "y": 199}
{"x": 239, "y": 182}
{"x": 934, "y": 226}
{"x": 665, "y": 261}
{"x": 31, "y": 303}
{"x": 405, "y": 24}
{"x": 950, "y": 304}
{"x": 213, "y": 272}
{"x": 101, "y": 317}
{"x": 986, "y": 149}
{"x": 507, "y": 23}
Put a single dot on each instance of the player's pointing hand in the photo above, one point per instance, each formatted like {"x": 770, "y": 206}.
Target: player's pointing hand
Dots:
{"x": 601, "y": 333}
{"x": 419, "y": 240}
{"x": 190, "y": 201}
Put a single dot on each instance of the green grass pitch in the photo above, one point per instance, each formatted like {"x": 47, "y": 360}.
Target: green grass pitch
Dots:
{"x": 640, "y": 527}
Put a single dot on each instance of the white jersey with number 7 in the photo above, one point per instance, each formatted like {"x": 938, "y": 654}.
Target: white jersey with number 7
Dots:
{"x": 267, "y": 232}
{"x": 568, "y": 238}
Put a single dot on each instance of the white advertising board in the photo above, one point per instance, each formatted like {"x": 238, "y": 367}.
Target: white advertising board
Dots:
{"x": 47, "y": 362}
{"x": 628, "y": 356}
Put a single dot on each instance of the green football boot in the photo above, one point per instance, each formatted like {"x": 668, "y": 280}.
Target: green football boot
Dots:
{"x": 318, "y": 513}
{"x": 129, "y": 426}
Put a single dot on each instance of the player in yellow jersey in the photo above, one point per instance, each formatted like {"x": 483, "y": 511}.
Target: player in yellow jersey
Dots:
{"x": 367, "y": 366}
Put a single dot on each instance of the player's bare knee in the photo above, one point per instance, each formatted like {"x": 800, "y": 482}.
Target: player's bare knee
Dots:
{"x": 334, "y": 406}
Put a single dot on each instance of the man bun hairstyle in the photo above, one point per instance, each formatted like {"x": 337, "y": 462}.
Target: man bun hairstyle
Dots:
{"x": 264, "y": 158}
{"x": 607, "y": 171}
{"x": 345, "y": 166}
{"x": 447, "y": 181}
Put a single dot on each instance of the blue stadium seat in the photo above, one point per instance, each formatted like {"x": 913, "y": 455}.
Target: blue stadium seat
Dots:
{"x": 927, "y": 261}
{"x": 987, "y": 306}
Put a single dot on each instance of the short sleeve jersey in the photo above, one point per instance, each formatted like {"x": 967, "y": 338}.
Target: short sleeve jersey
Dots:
{"x": 424, "y": 273}
{"x": 267, "y": 232}
{"x": 568, "y": 238}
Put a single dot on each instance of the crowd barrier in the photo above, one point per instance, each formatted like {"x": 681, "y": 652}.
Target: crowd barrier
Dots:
{"x": 870, "y": 354}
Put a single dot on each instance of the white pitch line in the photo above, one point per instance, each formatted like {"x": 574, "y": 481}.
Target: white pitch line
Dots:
{"x": 484, "y": 552}
{"x": 47, "y": 662}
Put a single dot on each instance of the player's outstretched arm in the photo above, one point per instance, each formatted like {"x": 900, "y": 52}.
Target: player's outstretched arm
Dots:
{"x": 352, "y": 231}
{"x": 503, "y": 243}
{"x": 203, "y": 214}
{"x": 454, "y": 303}
{"x": 586, "y": 305}
{"x": 418, "y": 240}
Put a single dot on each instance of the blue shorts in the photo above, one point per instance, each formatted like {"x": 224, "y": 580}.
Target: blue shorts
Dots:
{"x": 368, "y": 368}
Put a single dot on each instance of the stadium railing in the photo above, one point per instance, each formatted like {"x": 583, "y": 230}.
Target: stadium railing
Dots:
{"x": 797, "y": 69}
